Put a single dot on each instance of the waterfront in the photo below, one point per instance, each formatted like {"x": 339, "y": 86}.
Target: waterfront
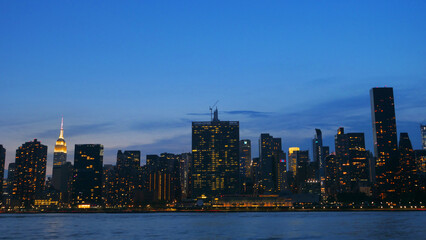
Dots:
{"x": 244, "y": 225}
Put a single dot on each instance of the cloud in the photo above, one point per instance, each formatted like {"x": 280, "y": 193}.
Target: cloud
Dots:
{"x": 164, "y": 124}
{"x": 198, "y": 114}
{"x": 249, "y": 113}
{"x": 78, "y": 130}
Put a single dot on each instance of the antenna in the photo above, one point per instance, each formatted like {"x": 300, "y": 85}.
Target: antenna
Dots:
{"x": 211, "y": 110}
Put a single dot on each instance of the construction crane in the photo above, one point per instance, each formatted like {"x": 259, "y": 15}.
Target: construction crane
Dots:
{"x": 211, "y": 110}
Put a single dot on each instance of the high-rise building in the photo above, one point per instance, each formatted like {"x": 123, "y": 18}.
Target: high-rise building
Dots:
{"x": 385, "y": 140}
{"x": 59, "y": 158}
{"x": 270, "y": 154}
{"x": 127, "y": 177}
{"x": 128, "y": 159}
{"x": 109, "y": 188}
{"x": 30, "y": 173}
{"x": 185, "y": 163}
{"x": 331, "y": 184}
{"x": 2, "y": 160}
{"x": 408, "y": 178}
{"x": 423, "y": 131}
{"x": 88, "y": 171}
{"x": 163, "y": 181}
{"x": 302, "y": 161}
{"x": 317, "y": 153}
{"x": 280, "y": 171}
{"x": 352, "y": 160}
{"x": 292, "y": 160}
{"x": 215, "y": 152}
{"x": 64, "y": 181}
{"x": 10, "y": 177}
{"x": 245, "y": 158}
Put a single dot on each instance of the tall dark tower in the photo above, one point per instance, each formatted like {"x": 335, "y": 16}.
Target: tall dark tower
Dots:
{"x": 215, "y": 149}
{"x": 270, "y": 153}
{"x": 408, "y": 173}
{"x": 88, "y": 170}
{"x": 2, "y": 160}
{"x": 127, "y": 174}
{"x": 319, "y": 154}
{"x": 30, "y": 173}
{"x": 385, "y": 139}
{"x": 245, "y": 157}
{"x": 423, "y": 131}
{"x": 317, "y": 146}
{"x": 59, "y": 158}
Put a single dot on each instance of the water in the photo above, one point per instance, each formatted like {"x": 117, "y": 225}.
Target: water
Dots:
{"x": 251, "y": 225}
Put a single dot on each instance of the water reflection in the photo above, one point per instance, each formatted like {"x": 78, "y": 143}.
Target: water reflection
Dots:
{"x": 284, "y": 225}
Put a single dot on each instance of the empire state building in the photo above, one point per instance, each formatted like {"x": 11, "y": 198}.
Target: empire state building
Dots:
{"x": 60, "y": 152}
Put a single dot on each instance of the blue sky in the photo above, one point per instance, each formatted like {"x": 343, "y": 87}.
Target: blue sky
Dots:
{"x": 134, "y": 74}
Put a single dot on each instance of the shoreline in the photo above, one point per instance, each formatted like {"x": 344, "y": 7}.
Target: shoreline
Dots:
{"x": 109, "y": 211}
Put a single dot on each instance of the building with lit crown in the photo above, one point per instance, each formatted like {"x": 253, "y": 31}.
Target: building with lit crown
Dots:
{"x": 59, "y": 158}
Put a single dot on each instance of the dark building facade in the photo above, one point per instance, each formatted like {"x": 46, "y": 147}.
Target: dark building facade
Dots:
{"x": 353, "y": 161}
{"x": 331, "y": 184}
{"x": 2, "y": 161}
{"x": 385, "y": 140}
{"x": 423, "y": 132}
{"x": 302, "y": 171}
{"x": 88, "y": 171}
{"x": 185, "y": 163}
{"x": 408, "y": 176}
{"x": 270, "y": 154}
{"x": 163, "y": 178}
{"x": 318, "y": 154}
{"x": 64, "y": 182}
{"x": 245, "y": 158}
{"x": 215, "y": 152}
{"x": 30, "y": 173}
{"x": 127, "y": 177}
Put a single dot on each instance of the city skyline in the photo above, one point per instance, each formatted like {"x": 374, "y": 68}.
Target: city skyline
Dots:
{"x": 126, "y": 77}
{"x": 111, "y": 152}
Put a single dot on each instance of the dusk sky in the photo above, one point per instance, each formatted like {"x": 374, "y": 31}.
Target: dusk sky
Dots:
{"x": 133, "y": 75}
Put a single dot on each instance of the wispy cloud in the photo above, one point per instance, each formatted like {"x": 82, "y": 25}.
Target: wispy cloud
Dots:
{"x": 78, "y": 130}
{"x": 253, "y": 114}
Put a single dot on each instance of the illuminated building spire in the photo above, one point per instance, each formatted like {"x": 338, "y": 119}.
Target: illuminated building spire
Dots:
{"x": 61, "y": 134}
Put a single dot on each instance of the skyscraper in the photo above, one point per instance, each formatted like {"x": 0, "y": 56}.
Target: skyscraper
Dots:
{"x": 292, "y": 160}
{"x": 185, "y": 163}
{"x": 423, "y": 131}
{"x": 408, "y": 181}
{"x": 127, "y": 177}
{"x": 385, "y": 140}
{"x": 88, "y": 170}
{"x": 164, "y": 183}
{"x": 352, "y": 161}
{"x": 245, "y": 157}
{"x": 215, "y": 149}
{"x": 331, "y": 184}
{"x": 30, "y": 173}
{"x": 317, "y": 152}
{"x": 2, "y": 160}
{"x": 302, "y": 161}
{"x": 11, "y": 177}
{"x": 59, "y": 158}
{"x": 270, "y": 152}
